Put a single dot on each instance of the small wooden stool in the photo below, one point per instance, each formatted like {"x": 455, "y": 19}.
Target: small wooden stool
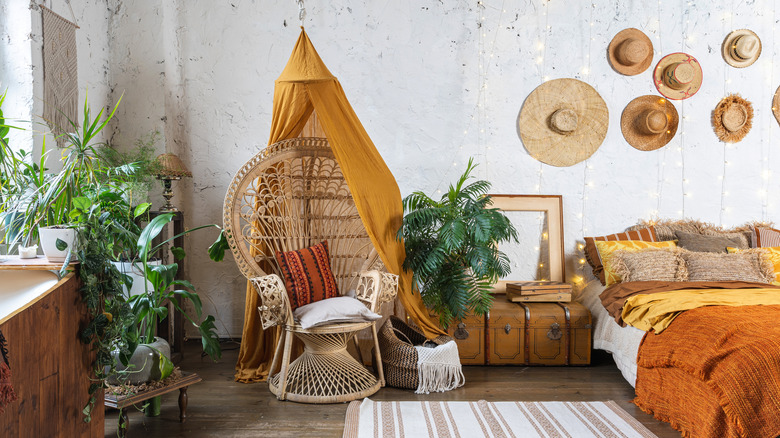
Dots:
{"x": 122, "y": 401}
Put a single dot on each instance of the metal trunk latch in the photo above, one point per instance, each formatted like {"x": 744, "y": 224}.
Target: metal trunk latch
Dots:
{"x": 461, "y": 332}
{"x": 555, "y": 332}
{"x": 507, "y": 328}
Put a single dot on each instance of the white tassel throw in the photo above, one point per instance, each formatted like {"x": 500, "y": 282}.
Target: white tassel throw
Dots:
{"x": 439, "y": 369}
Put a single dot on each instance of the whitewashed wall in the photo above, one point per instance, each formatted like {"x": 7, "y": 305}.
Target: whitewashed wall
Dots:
{"x": 16, "y": 70}
{"x": 434, "y": 83}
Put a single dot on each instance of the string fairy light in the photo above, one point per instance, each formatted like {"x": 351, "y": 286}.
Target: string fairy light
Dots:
{"x": 585, "y": 182}
{"x": 727, "y": 16}
{"x": 479, "y": 115}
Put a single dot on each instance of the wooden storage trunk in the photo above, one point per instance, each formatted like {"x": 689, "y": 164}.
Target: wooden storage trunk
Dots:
{"x": 469, "y": 334}
{"x": 526, "y": 334}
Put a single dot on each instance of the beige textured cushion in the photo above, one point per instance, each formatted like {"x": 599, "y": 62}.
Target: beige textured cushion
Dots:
{"x": 332, "y": 311}
{"x": 705, "y": 243}
{"x": 650, "y": 265}
{"x": 710, "y": 266}
{"x": 665, "y": 229}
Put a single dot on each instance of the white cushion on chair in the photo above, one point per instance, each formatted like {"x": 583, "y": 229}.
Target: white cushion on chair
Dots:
{"x": 333, "y": 310}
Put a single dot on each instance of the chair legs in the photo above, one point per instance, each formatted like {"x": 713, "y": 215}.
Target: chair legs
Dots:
{"x": 277, "y": 357}
{"x": 288, "y": 337}
{"x": 378, "y": 357}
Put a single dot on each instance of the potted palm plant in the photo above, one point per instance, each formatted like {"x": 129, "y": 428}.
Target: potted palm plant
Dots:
{"x": 45, "y": 200}
{"x": 452, "y": 247}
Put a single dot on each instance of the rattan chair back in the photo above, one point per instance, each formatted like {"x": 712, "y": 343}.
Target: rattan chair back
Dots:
{"x": 290, "y": 196}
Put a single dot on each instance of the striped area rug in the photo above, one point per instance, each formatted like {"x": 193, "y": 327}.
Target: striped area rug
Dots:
{"x": 387, "y": 419}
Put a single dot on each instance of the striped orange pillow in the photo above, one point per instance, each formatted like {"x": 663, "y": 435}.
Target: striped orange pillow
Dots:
{"x": 592, "y": 253}
{"x": 765, "y": 237}
{"x": 307, "y": 274}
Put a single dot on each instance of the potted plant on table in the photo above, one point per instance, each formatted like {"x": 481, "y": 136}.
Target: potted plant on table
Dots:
{"x": 452, "y": 247}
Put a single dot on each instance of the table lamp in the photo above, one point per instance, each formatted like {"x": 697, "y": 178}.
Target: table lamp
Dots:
{"x": 170, "y": 168}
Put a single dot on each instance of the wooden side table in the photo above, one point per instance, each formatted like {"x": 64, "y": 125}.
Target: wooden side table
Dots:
{"x": 121, "y": 402}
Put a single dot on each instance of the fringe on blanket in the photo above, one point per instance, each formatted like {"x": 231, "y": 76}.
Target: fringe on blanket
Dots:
{"x": 439, "y": 369}
{"x": 7, "y": 393}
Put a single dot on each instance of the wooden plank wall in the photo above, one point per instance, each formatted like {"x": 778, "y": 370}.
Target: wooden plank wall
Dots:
{"x": 50, "y": 369}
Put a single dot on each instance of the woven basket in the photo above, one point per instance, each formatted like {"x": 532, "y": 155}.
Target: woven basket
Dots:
{"x": 399, "y": 357}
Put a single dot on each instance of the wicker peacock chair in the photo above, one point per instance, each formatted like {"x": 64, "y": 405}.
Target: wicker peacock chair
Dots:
{"x": 290, "y": 196}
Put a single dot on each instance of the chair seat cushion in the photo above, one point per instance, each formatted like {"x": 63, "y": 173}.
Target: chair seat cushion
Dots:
{"x": 332, "y": 311}
{"x": 307, "y": 274}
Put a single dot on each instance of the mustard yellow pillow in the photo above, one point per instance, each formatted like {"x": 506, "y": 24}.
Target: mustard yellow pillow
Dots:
{"x": 607, "y": 248}
{"x": 771, "y": 254}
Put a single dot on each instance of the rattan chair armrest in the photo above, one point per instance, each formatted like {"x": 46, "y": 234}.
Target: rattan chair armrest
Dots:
{"x": 376, "y": 288}
{"x": 274, "y": 305}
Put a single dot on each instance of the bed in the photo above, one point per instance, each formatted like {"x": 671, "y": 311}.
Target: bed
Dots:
{"x": 712, "y": 370}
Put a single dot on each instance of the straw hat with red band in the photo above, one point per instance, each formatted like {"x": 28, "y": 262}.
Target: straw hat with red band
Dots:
{"x": 732, "y": 118}
{"x": 741, "y": 48}
{"x": 649, "y": 122}
{"x": 630, "y": 52}
{"x": 563, "y": 122}
{"x": 678, "y": 76}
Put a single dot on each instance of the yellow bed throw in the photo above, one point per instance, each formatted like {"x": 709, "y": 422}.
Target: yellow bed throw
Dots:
{"x": 656, "y": 311}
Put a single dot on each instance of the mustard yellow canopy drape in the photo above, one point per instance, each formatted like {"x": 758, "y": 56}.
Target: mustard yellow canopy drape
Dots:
{"x": 306, "y": 85}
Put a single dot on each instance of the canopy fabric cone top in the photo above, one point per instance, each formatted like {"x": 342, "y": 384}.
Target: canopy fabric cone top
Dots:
{"x": 306, "y": 85}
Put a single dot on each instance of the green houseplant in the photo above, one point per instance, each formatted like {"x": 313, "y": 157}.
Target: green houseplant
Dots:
{"x": 451, "y": 247}
{"x": 163, "y": 287}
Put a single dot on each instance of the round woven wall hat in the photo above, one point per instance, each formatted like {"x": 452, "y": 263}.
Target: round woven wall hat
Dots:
{"x": 649, "y": 122}
{"x": 741, "y": 48}
{"x": 630, "y": 52}
{"x": 563, "y": 122}
{"x": 732, "y": 118}
{"x": 776, "y": 105}
{"x": 678, "y": 76}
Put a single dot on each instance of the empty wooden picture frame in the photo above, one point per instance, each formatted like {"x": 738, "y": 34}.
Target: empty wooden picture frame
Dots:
{"x": 552, "y": 207}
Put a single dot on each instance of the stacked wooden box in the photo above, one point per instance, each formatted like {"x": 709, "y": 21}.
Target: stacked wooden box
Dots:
{"x": 538, "y": 291}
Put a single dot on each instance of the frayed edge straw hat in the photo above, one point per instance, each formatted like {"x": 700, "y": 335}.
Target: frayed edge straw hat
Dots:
{"x": 732, "y": 118}
{"x": 630, "y": 52}
{"x": 678, "y": 76}
{"x": 649, "y": 122}
{"x": 563, "y": 122}
{"x": 741, "y": 48}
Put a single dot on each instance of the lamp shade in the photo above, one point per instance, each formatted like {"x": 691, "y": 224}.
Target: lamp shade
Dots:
{"x": 171, "y": 166}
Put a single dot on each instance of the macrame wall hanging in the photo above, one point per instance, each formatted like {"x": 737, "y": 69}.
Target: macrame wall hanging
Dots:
{"x": 60, "y": 73}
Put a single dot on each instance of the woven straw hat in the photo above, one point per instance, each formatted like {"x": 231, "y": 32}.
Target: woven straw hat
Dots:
{"x": 732, "y": 118}
{"x": 563, "y": 122}
{"x": 678, "y": 76}
{"x": 630, "y": 52}
{"x": 776, "y": 105}
{"x": 649, "y": 122}
{"x": 741, "y": 48}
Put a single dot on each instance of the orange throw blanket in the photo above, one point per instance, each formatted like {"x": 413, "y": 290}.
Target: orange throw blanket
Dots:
{"x": 714, "y": 372}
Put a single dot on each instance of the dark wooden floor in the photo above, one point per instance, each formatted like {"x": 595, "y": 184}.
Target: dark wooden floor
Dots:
{"x": 220, "y": 407}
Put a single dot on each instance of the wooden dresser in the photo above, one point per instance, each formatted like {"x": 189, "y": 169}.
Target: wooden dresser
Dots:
{"x": 50, "y": 367}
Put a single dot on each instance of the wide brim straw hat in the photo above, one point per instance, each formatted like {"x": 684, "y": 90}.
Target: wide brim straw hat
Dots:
{"x": 678, "y": 76}
{"x": 776, "y": 105}
{"x": 732, "y": 118}
{"x": 630, "y": 52}
{"x": 649, "y": 122}
{"x": 563, "y": 122}
{"x": 741, "y": 48}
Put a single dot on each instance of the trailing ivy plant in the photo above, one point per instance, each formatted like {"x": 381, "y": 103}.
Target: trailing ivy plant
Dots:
{"x": 452, "y": 247}
{"x": 111, "y": 320}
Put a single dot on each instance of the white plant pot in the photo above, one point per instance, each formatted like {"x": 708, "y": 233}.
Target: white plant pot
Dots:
{"x": 136, "y": 272}
{"x": 48, "y": 238}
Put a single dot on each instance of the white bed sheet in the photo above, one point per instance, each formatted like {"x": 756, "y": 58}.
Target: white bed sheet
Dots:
{"x": 622, "y": 342}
